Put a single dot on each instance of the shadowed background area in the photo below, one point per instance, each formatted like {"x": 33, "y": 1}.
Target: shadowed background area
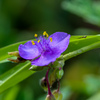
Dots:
{"x": 21, "y": 19}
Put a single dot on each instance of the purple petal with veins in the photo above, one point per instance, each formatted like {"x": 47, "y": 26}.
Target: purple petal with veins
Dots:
{"x": 45, "y": 51}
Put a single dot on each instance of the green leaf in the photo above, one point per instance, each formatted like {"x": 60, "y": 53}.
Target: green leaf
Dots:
{"x": 12, "y": 93}
{"x": 80, "y": 44}
{"x": 15, "y": 75}
{"x": 84, "y": 9}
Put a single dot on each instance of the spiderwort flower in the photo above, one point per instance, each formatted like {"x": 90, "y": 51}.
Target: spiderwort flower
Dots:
{"x": 45, "y": 49}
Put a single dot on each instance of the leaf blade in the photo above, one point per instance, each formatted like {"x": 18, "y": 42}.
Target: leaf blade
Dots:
{"x": 81, "y": 50}
{"x": 15, "y": 75}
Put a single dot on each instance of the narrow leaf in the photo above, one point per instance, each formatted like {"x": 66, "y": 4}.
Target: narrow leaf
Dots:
{"x": 79, "y": 45}
{"x": 15, "y": 75}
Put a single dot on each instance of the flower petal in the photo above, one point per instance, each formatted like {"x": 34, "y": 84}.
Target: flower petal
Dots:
{"x": 60, "y": 41}
{"x": 28, "y": 51}
{"x": 46, "y": 58}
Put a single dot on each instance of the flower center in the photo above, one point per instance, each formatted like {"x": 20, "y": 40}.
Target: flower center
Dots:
{"x": 43, "y": 41}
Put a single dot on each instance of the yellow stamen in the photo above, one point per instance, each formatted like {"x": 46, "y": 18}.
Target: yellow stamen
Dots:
{"x": 44, "y": 33}
{"x": 38, "y": 41}
{"x": 51, "y": 39}
{"x": 47, "y": 35}
{"x": 35, "y": 35}
{"x": 33, "y": 42}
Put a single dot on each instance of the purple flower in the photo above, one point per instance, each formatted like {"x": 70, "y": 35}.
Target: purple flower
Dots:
{"x": 46, "y": 49}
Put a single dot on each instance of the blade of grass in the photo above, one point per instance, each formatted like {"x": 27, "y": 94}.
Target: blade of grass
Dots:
{"x": 15, "y": 75}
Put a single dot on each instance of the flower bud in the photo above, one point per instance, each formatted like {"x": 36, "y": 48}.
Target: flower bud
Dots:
{"x": 50, "y": 97}
{"x": 18, "y": 59}
{"x": 15, "y": 53}
{"x": 61, "y": 63}
{"x": 59, "y": 73}
{"x": 52, "y": 77}
{"x": 58, "y": 64}
{"x": 57, "y": 95}
{"x": 43, "y": 84}
{"x": 13, "y": 60}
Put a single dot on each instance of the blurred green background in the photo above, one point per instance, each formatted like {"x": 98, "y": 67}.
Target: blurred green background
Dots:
{"x": 21, "y": 19}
